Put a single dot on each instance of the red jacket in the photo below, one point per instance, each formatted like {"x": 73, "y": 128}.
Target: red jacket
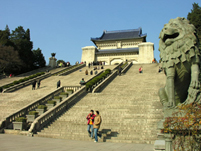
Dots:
{"x": 92, "y": 117}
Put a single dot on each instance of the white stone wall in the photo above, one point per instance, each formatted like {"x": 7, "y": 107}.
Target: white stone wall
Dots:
{"x": 88, "y": 54}
{"x": 146, "y": 52}
{"x": 118, "y": 44}
{"x": 111, "y": 59}
{"x": 145, "y": 55}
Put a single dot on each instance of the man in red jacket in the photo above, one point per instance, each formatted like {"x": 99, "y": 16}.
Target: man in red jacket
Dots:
{"x": 90, "y": 117}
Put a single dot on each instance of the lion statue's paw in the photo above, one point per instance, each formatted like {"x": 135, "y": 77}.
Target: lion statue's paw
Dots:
{"x": 195, "y": 84}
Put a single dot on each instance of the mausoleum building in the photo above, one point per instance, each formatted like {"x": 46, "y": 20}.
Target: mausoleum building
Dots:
{"x": 114, "y": 47}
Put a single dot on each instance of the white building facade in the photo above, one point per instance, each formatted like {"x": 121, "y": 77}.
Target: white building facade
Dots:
{"x": 114, "y": 47}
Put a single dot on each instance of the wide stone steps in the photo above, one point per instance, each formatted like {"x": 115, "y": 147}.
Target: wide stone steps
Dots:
{"x": 12, "y": 102}
{"x": 129, "y": 107}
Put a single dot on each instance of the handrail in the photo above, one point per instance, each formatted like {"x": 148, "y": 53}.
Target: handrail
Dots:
{"x": 105, "y": 81}
{"x": 23, "y": 111}
{"x": 110, "y": 78}
{"x": 26, "y": 83}
{"x": 30, "y": 81}
{"x": 72, "y": 70}
{"x": 127, "y": 67}
{"x": 50, "y": 115}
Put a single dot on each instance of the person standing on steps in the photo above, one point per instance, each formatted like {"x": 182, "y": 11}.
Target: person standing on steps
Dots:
{"x": 90, "y": 117}
{"x": 120, "y": 69}
{"x": 96, "y": 125}
{"x": 86, "y": 72}
{"x": 34, "y": 85}
{"x": 58, "y": 84}
{"x": 38, "y": 82}
{"x": 141, "y": 70}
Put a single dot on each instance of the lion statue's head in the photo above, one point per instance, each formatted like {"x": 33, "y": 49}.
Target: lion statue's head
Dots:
{"x": 178, "y": 41}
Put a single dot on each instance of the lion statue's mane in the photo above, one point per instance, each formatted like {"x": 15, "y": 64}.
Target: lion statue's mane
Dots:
{"x": 179, "y": 49}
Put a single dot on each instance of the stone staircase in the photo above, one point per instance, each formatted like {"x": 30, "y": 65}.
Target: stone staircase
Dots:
{"x": 12, "y": 102}
{"x": 129, "y": 107}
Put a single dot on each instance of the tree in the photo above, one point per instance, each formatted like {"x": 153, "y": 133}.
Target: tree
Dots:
{"x": 195, "y": 18}
{"x": 5, "y": 37}
{"x": 9, "y": 60}
{"x": 23, "y": 45}
{"x": 39, "y": 60}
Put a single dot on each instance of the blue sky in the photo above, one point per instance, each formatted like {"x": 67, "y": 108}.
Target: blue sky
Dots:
{"x": 65, "y": 26}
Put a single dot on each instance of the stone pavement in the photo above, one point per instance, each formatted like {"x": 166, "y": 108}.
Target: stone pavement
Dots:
{"x": 23, "y": 143}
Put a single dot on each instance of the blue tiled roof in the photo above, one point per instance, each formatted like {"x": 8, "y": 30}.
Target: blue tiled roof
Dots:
{"x": 124, "y": 50}
{"x": 121, "y": 34}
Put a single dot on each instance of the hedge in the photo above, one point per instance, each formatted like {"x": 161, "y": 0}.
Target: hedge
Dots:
{"x": 64, "y": 93}
{"x": 33, "y": 113}
{"x": 42, "y": 107}
{"x": 97, "y": 79}
{"x": 20, "y": 119}
{"x": 21, "y": 80}
{"x": 51, "y": 102}
{"x": 122, "y": 66}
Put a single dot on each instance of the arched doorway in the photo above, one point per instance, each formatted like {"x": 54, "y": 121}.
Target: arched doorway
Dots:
{"x": 116, "y": 61}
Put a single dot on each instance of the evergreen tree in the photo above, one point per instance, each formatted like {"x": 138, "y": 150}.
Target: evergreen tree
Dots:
{"x": 23, "y": 45}
{"x": 5, "y": 37}
{"x": 39, "y": 60}
{"x": 10, "y": 61}
{"x": 195, "y": 18}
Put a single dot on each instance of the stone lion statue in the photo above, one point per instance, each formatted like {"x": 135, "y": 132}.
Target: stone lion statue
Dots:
{"x": 180, "y": 58}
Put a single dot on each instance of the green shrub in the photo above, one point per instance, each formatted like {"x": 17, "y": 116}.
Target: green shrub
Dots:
{"x": 26, "y": 79}
{"x": 71, "y": 90}
{"x": 108, "y": 70}
{"x": 33, "y": 113}
{"x": 64, "y": 93}
{"x": 16, "y": 82}
{"x": 42, "y": 107}
{"x": 10, "y": 85}
{"x": 21, "y": 80}
{"x": 20, "y": 119}
{"x": 6, "y": 86}
{"x": 57, "y": 97}
{"x": 51, "y": 102}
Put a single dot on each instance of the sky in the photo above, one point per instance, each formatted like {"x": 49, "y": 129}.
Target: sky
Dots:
{"x": 65, "y": 26}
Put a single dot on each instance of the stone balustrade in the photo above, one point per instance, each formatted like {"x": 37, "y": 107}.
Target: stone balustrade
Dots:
{"x": 106, "y": 81}
{"x": 72, "y": 70}
{"x": 26, "y": 83}
{"x": 57, "y": 110}
{"x": 74, "y": 88}
{"x": 29, "y": 82}
{"x": 22, "y": 112}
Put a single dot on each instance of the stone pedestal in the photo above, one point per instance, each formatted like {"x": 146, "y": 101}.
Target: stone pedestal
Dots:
{"x": 146, "y": 52}
{"x": 52, "y": 62}
{"x": 88, "y": 54}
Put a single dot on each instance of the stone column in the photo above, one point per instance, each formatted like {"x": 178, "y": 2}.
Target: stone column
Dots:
{"x": 89, "y": 54}
{"x": 52, "y": 62}
{"x": 168, "y": 142}
{"x": 146, "y": 52}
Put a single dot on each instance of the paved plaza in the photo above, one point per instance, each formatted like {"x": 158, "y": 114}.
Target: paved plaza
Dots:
{"x": 23, "y": 143}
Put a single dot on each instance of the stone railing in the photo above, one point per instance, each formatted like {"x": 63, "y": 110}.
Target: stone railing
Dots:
{"x": 22, "y": 112}
{"x": 127, "y": 67}
{"x": 72, "y": 70}
{"x": 26, "y": 83}
{"x": 47, "y": 117}
{"x": 117, "y": 67}
{"x": 29, "y": 107}
{"x": 74, "y": 88}
{"x": 107, "y": 80}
